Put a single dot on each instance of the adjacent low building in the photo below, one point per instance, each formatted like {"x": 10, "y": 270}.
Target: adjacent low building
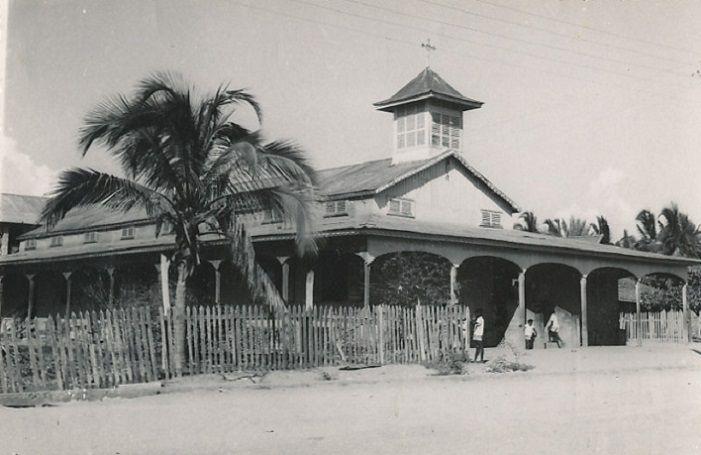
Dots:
{"x": 423, "y": 222}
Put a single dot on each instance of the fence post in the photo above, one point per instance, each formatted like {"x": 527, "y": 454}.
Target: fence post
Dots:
{"x": 381, "y": 324}
{"x": 685, "y": 313}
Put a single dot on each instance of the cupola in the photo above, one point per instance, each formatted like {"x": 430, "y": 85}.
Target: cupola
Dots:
{"x": 427, "y": 117}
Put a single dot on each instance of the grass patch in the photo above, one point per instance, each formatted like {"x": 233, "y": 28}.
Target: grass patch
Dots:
{"x": 503, "y": 365}
{"x": 449, "y": 364}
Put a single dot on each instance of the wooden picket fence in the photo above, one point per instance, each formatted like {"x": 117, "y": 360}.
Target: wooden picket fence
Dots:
{"x": 133, "y": 345}
{"x": 238, "y": 338}
{"x": 85, "y": 350}
{"x": 666, "y": 326}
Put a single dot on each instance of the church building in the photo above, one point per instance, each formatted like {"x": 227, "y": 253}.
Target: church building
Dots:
{"x": 421, "y": 226}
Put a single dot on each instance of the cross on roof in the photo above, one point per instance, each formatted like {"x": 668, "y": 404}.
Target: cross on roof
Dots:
{"x": 429, "y": 48}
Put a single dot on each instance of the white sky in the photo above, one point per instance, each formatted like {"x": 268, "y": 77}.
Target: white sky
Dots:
{"x": 575, "y": 121}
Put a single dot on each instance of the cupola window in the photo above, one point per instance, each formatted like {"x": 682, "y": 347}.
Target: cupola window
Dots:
{"x": 411, "y": 126}
{"x": 445, "y": 130}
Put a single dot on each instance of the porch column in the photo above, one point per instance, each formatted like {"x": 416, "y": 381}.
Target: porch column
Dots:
{"x": 583, "y": 297}
{"x": 453, "y": 283}
{"x": 2, "y": 284}
{"x": 110, "y": 271}
{"x": 309, "y": 290}
{"x": 217, "y": 281}
{"x": 30, "y": 295}
{"x": 4, "y": 241}
{"x": 367, "y": 262}
{"x": 638, "y": 316}
{"x": 284, "y": 262}
{"x": 164, "y": 273}
{"x": 67, "y": 276}
{"x": 521, "y": 311}
{"x": 685, "y": 312}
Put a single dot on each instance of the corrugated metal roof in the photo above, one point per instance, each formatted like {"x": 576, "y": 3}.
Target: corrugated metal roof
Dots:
{"x": 428, "y": 82}
{"x": 20, "y": 209}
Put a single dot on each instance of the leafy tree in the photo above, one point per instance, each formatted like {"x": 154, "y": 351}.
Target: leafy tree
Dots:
{"x": 187, "y": 163}
{"x": 601, "y": 227}
{"x": 408, "y": 277}
{"x": 527, "y": 222}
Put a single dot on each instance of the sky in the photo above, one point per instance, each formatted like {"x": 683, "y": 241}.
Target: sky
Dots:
{"x": 591, "y": 108}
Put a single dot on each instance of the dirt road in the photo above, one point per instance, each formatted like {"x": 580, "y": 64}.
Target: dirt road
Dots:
{"x": 643, "y": 409}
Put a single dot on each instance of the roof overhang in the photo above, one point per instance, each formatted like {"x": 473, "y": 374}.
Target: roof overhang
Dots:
{"x": 464, "y": 104}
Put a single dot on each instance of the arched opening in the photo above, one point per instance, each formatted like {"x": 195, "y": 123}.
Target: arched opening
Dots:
{"x": 137, "y": 284}
{"x": 90, "y": 289}
{"x": 338, "y": 279}
{"x": 15, "y": 289}
{"x": 201, "y": 285}
{"x": 661, "y": 291}
{"x": 234, "y": 287}
{"x": 407, "y": 277}
{"x": 273, "y": 268}
{"x": 491, "y": 283}
{"x": 604, "y": 303}
{"x": 555, "y": 288}
{"x": 49, "y": 294}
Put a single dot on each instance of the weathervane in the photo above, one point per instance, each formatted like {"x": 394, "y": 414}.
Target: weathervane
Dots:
{"x": 429, "y": 48}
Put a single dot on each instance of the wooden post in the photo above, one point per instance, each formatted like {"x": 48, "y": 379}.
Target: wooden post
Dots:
{"x": 217, "y": 281}
{"x": 5, "y": 241}
{"x": 110, "y": 271}
{"x": 309, "y": 290}
{"x": 366, "y": 283}
{"x": 164, "y": 270}
{"x": 638, "y": 316}
{"x": 453, "y": 283}
{"x": 2, "y": 284}
{"x": 583, "y": 297}
{"x": 522, "y": 298}
{"x": 285, "y": 291}
{"x": 67, "y": 276}
{"x": 685, "y": 313}
{"x": 30, "y": 295}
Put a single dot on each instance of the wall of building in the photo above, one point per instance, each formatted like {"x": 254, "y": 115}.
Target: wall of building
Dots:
{"x": 445, "y": 193}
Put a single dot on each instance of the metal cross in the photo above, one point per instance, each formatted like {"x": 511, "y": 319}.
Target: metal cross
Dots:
{"x": 429, "y": 48}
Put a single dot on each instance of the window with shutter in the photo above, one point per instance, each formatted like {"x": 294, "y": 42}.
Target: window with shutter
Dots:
{"x": 90, "y": 237}
{"x": 128, "y": 233}
{"x": 336, "y": 208}
{"x": 446, "y": 130}
{"x": 30, "y": 244}
{"x": 491, "y": 219}
{"x": 57, "y": 241}
{"x": 401, "y": 207}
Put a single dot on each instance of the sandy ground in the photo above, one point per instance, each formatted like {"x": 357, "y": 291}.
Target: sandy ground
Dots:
{"x": 622, "y": 400}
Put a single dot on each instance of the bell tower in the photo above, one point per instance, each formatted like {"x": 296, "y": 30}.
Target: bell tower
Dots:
{"x": 427, "y": 117}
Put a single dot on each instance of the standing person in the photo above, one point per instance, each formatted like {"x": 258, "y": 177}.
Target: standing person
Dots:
{"x": 477, "y": 334}
{"x": 553, "y": 328}
{"x": 530, "y": 333}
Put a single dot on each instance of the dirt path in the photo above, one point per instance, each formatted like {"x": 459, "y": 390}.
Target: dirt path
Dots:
{"x": 639, "y": 410}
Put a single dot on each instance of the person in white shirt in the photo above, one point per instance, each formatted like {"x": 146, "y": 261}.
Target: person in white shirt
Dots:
{"x": 477, "y": 334}
{"x": 553, "y": 329}
{"x": 530, "y": 334}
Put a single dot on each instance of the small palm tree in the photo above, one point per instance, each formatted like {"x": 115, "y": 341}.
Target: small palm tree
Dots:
{"x": 527, "y": 222}
{"x": 187, "y": 163}
{"x": 627, "y": 241}
{"x": 678, "y": 234}
{"x": 601, "y": 227}
{"x": 646, "y": 223}
{"x": 577, "y": 227}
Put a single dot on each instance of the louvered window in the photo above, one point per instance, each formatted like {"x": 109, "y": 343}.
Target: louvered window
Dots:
{"x": 336, "y": 208}
{"x": 90, "y": 237}
{"x": 446, "y": 130}
{"x": 128, "y": 233}
{"x": 491, "y": 218}
{"x": 56, "y": 241}
{"x": 411, "y": 126}
{"x": 402, "y": 207}
{"x": 30, "y": 244}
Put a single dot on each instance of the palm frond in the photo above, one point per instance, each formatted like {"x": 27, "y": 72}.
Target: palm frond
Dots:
{"x": 81, "y": 187}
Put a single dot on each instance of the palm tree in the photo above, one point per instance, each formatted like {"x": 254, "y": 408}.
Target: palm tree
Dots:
{"x": 187, "y": 163}
{"x": 627, "y": 241}
{"x": 678, "y": 234}
{"x": 601, "y": 227}
{"x": 646, "y": 223}
{"x": 527, "y": 222}
{"x": 577, "y": 227}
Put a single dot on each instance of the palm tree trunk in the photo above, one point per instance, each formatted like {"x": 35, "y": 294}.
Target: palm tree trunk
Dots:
{"x": 179, "y": 316}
